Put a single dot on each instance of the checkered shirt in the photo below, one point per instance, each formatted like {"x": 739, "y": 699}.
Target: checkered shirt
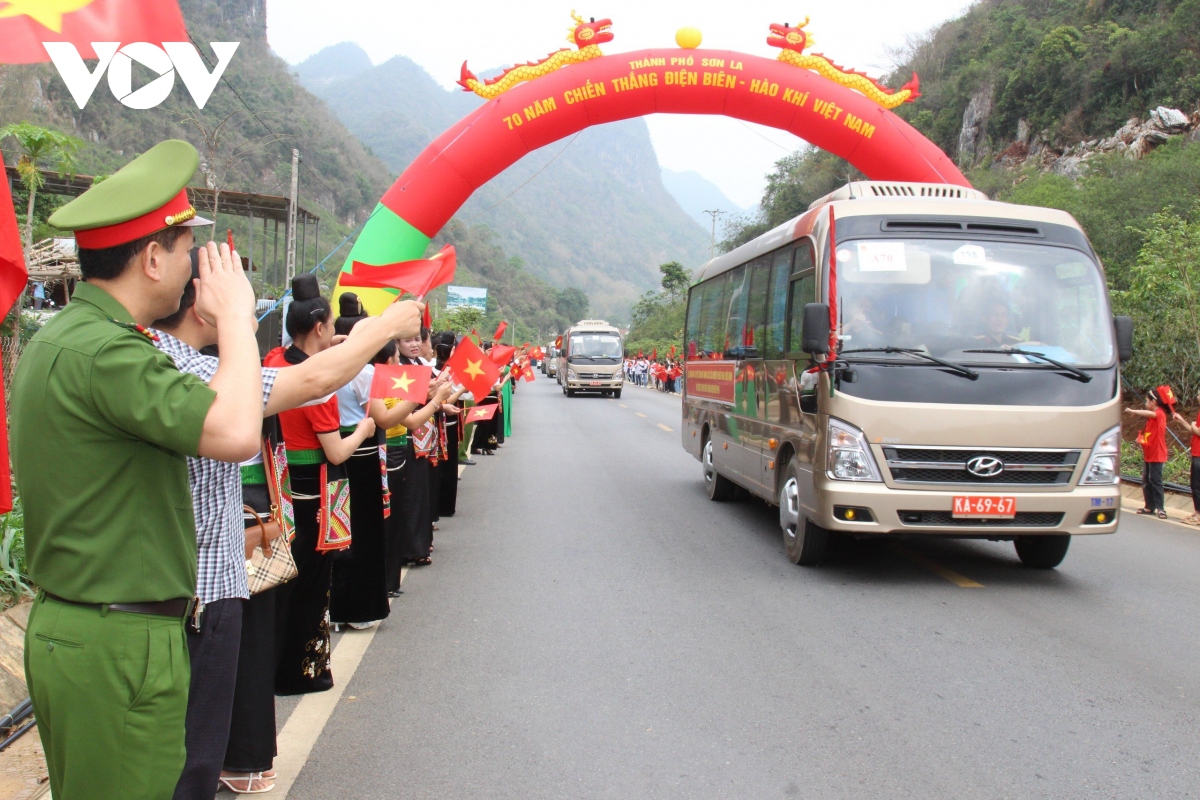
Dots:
{"x": 216, "y": 493}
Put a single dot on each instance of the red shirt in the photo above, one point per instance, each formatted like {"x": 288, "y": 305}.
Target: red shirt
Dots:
{"x": 1196, "y": 440}
{"x": 1153, "y": 438}
{"x": 301, "y": 425}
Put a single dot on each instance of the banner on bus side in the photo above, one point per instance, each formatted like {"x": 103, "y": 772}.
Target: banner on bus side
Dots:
{"x": 711, "y": 380}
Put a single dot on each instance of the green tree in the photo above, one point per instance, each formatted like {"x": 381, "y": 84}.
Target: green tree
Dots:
{"x": 39, "y": 147}
{"x": 675, "y": 279}
{"x": 463, "y": 319}
{"x": 572, "y": 304}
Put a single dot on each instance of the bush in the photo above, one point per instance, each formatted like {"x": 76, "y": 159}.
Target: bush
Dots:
{"x": 14, "y": 584}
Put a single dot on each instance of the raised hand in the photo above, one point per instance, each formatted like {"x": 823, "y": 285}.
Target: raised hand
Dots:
{"x": 223, "y": 294}
{"x": 403, "y": 318}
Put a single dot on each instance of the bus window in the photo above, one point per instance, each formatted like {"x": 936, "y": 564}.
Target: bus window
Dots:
{"x": 804, "y": 259}
{"x": 773, "y": 347}
{"x": 692, "y": 337}
{"x": 712, "y": 317}
{"x": 760, "y": 283}
{"x": 735, "y": 330}
{"x": 803, "y": 291}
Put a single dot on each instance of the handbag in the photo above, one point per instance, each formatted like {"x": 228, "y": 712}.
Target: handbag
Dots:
{"x": 269, "y": 559}
{"x": 334, "y": 533}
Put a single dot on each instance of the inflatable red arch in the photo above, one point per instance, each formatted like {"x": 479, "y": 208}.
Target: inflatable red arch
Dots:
{"x": 607, "y": 88}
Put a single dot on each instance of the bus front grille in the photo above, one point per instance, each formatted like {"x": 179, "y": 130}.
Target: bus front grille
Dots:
{"x": 945, "y": 465}
{"x": 1023, "y": 519}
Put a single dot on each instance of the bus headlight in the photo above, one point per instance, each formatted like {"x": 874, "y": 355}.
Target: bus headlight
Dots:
{"x": 849, "y": 456}
{"x": 1103, "y": 468}
{"x": 570, "y": 374}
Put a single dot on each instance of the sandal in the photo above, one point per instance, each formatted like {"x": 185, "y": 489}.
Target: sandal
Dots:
{"x": 423, "y": 562}
{"x": 246, "y": 782}
{"x": 1161, "y": 514}
{"x": 1145, "y": 511}
{"x": 1191, "y": 519}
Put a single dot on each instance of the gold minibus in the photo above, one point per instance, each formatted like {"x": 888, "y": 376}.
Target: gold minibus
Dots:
{"x": 911, "y": 359}
{"x": 591, "y": 359}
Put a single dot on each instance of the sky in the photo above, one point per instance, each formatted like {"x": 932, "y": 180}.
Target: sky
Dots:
{"x": 734, "y": 155}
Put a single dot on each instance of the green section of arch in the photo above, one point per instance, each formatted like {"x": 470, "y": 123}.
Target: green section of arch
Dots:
{"x": 385, "y": 239}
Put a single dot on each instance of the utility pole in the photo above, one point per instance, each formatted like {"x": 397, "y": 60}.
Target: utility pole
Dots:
{"x": 712, "y": 240}
{"x": 290, "y": 264}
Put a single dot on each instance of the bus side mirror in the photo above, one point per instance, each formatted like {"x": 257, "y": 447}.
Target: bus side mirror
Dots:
{"x": 814, "y": 337}
{"x": 1123, "y": 327}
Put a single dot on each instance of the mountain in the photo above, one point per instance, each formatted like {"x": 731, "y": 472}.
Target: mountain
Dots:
{"x": 266, "y": 114}
{"x": 697, "y": 194}
{"x": 590, "y": 212}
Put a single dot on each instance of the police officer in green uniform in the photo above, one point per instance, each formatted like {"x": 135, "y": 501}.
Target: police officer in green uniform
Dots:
{"x": 101, "y": 424}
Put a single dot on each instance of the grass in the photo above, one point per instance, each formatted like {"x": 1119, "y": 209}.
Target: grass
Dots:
{"x": 14, "y": 584}
{"x": 1176, "y": 470}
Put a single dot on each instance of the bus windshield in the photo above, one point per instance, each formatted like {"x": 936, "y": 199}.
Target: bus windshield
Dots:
{"x": 952, "y": 298}
{"x": 595, "y": 345}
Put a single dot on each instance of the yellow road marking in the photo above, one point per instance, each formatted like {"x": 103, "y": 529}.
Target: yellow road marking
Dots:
{"x": 936, "y": 568}
{"x": 640, "y": 414}
{"x": 665, "y": 428}
{"x": 622, "y": 405}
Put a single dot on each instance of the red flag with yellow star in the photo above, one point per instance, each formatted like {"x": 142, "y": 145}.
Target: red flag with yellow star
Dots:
{"x": 472, "y": 369}
{"x": 482, "y": 413}
{"x": 402, "y": 382}
{"x": 25, "y": 24}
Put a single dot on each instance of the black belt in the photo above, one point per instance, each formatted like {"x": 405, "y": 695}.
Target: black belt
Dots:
{"x": 180, "y": 607}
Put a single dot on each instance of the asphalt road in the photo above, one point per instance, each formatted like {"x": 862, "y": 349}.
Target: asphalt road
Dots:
{"x": 593, "y": 627}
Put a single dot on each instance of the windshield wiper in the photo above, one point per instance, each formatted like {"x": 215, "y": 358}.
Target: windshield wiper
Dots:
{"x": 911, "y": 351}
{"x": 1078, "y": 374}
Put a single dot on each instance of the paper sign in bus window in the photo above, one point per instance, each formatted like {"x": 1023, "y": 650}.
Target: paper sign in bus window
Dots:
{"x": 881, "y": 257}
{"x": 971, "y": 255}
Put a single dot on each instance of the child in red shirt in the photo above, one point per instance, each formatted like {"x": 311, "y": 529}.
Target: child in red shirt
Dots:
{"x": 1153, "y": 440}
{"x": 1194, "y": 427}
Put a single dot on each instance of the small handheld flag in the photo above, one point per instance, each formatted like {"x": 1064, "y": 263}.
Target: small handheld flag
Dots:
{"x": 402, "y": 382}
{"x": 417, "y": 277}
{"x": 473, "y": 369}
{"x": 501, "y": 354}
{"x": 482, "y": 413}
{"x": 500, "y": 329}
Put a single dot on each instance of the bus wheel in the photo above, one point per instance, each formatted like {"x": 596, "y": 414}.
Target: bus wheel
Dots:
{"x": 570, "y": 392}
{"x": 617, "y": 394}
{"x": 716, "y": 486}
{"x": 1042, "y": 552}
{"x": 803, "y": 540}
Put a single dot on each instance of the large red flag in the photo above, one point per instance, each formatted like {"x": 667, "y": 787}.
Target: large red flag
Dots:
{"x": 25, "y": 24}
{"x": 472, "y": 369}
{"x": 13, "y": 278}
{"x": 500, "y": 329}
{"x": 401, "y": 381}
{"x": 417, "y": 277}
{"x": 482, "y": 413}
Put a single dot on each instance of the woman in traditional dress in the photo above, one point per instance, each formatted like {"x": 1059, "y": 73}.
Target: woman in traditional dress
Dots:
{"x": 397, "y": 418}
{"x": 312, "y": 438}
{"x": 359, "y": 596}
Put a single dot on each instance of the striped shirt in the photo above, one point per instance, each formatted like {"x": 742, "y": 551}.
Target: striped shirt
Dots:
{"x": 216, "y": 493}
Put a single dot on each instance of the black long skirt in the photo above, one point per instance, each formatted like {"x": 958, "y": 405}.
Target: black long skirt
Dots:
{"x": 448, "y": 495}
{"x": 359, "y": 591}
{"x": 415, "y": 536}
{"x": 393, "y": 526}
{"x": 251, "y": 745}
{"x": 302, "y": 642}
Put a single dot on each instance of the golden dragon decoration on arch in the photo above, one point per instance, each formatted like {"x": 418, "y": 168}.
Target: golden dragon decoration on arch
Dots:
{"x": 586, "y": 36}
{"x": 794, "y": 40}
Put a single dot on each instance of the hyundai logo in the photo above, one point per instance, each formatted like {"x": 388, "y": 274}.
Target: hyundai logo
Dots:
{"x": 985, "y": 466}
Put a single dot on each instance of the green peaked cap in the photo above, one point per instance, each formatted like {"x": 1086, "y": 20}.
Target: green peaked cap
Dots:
{"x": 139, "y": 187}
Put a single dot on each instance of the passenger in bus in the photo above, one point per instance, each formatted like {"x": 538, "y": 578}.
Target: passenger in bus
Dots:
{"x": 860, "y": 328}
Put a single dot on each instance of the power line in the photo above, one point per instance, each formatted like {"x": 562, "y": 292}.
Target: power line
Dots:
{"x": 254, "y": 113}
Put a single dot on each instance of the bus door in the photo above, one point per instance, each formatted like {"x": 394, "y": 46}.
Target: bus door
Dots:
{"x": 751, "y": 385}
{"x": 741, "y": 424}
{"x": 795, "y": 409}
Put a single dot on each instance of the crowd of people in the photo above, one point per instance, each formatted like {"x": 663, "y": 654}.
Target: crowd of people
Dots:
{"x": 660, "y": 374}
{"x": 199, "y": 520}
